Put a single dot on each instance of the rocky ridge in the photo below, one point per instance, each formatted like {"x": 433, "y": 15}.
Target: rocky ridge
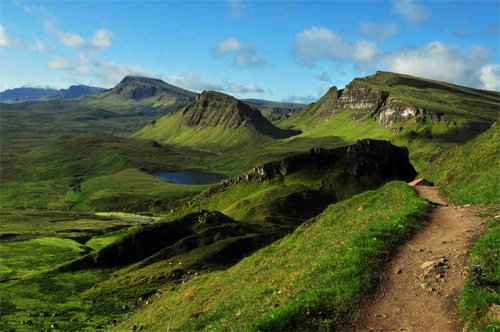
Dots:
{"x": 377, "y": 159}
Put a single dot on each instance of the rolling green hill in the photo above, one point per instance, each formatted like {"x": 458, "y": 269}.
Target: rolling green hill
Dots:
{"x": 57, "y": 175}
{"x": 260, "y": 207}
{"x": 313, "y": 279}
{"x": 427, "y": 116}
{"x": 119, "y": 111}
{"x": 213, "y": 121}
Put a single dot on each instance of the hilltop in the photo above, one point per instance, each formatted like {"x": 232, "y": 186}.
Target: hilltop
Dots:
{"x": 393, "y": 99}
{"x": 425, "y": 115}
{"x": 214, "y": 119}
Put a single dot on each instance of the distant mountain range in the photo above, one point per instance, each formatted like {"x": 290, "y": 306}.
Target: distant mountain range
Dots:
{"x": 29, "y": 93}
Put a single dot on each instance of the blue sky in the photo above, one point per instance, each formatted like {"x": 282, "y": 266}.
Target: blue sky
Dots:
{"x": 280, "y": 50}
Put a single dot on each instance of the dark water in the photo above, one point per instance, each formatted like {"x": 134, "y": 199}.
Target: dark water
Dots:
{"x": 191, "y": 177}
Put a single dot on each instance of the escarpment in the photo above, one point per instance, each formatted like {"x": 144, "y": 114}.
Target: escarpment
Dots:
{"x": 379, "y": 160}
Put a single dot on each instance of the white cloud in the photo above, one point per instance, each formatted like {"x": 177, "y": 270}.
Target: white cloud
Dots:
{"x": 244, "y": 54}
{"x": 490, "y": 77}
{"x": 59, "y": 63}
{"x": 299, "y": 99}
{"x": 235, "y": 8}
{"x": 107, "y": 72}
{"x": 102, "y": 38}
{"x": 410, "y": 10}
{"x": 192, "y": 81}
{"x": 6, "y": 41}
{"x": 318, "y": 42}
{"x": 247, "y": 60}
{"x": 231, "y": 45}
{"x": 111, "y": 73}
{"x": 244, "y": 88}
{"x": 324, "y": 77}
{"x": 70, "y": 39}
{"x": 443, "y": 62}
{"x": 378, "y": 31}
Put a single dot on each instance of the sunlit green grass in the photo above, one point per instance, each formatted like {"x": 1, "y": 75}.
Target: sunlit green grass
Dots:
{"x": 482, "y": 289}
{"x": 470, "y": 173}
{"x": 313, "y": 279}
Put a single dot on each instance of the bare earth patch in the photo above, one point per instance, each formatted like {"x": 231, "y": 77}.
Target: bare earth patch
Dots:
{"x": 420, "y": 289}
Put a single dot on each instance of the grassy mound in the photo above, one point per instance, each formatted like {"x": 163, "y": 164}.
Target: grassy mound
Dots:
{"x": 480, "y": 298}
{"x": 470, "y": 173}
{"x": 311, "y": 279}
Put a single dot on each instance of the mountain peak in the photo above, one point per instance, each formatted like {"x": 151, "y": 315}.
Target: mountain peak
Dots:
{"x": 139, "y": 87}
{"x": 216, "y": 109}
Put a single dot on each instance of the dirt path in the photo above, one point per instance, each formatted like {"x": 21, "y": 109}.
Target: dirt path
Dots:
{"x": 420, "y": 288}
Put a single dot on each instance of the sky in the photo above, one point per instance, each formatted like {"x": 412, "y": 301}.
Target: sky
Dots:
{"x": 277, "y": 50}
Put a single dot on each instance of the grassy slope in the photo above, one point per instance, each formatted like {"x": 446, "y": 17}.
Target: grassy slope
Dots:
{"x": 424, "y": 140}
{"x": 36, "y": 242}
{"x": 131, "y": 190}
{"x": 51, "y": 176}
{"x": 470, "y": 173}
{"x": 170, "y": 130}
{"x": 481, "y": 291}
{"x": 313, "y": 278}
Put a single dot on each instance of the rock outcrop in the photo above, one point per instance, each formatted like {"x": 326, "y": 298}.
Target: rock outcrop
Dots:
{"x": 357, "y": 96}
{"x": 379, "y": 160}
{"x": 394, "y": 111}
{"x": 364, "y": 96}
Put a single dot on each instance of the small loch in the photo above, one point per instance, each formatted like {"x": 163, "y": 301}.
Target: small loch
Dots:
{"x": 191, "y": 177}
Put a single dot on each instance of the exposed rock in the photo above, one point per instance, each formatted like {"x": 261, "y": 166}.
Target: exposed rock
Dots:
{"x": 360, "y": 97}
{"x": 378, "y": 159}
{"x": 421, "y": 182}
{"x": 395, "y": 111}
{"x": 329, "y": 101}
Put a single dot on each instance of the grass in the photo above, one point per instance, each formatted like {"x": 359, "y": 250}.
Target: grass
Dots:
{"x": 32, "y": 245}
{"x": 312, "y": 279}
{"x": 24, "y": 258}
{"x": 470, "y": 173}
{"x": 481, "y": 292}
{"x": 132, "y": 190}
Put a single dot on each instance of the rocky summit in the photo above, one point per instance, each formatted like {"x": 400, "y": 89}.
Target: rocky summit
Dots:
{"x": 215, "y": 109}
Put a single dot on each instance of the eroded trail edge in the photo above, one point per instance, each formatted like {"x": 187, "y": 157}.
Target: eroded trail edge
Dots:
{"x": 420, "y": 288}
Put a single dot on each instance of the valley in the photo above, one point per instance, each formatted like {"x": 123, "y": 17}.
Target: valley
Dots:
{"x": 147, "y": 205}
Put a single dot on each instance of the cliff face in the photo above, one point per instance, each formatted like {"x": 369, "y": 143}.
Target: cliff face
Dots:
{"x": 379, "y": 160}
{"x": 358, "y": 97}
{"x": 368, "y": 100}
{"x": 393, "y": 112}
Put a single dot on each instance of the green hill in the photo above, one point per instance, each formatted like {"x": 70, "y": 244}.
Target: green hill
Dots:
{"x": 427, "y": 116}
{"x": 213, "y": 121}
{"x": 470, "y": 173}
{"x": 313, "y": 279}
{"x": 119, "y": 111}
{"x": 57, "y": 175}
